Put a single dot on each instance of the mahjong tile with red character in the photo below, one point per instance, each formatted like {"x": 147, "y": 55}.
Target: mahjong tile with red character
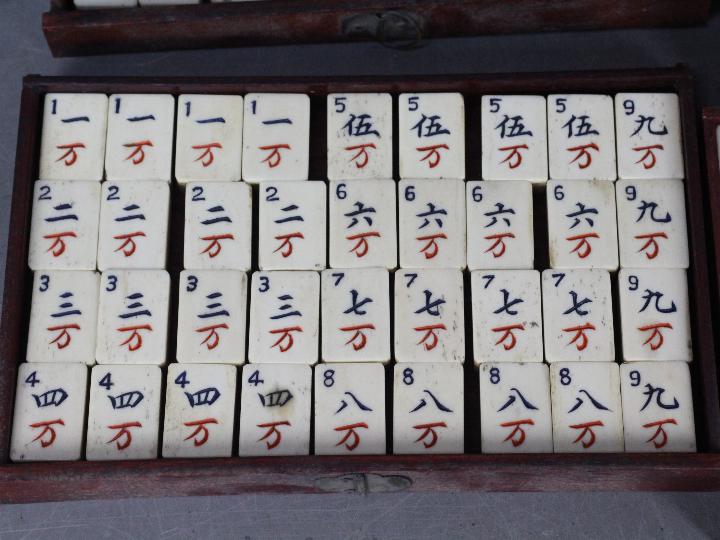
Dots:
{"x": 515, "y": 411}
{"x": 514, "y": 138}
{"x": 582, "y": 225}
{"x": 275, "y": 409}
{"x": 431, "y": 131}
{"x": 649, "y": 136}
{"x": 199, "y": 411}
{"x": 432, "y": 224}
{"x": 657, "y": 407}
{"x": 218, "y": 226}
{"x": 73, "y": 137}
{"x": 349, "y": 409}
{"x": 140, "y": 137}
{"x": 652, "y": 228}
{"x": 581, "y": 137}
{"x": 506, "y": 316}
{"x": 500, "y": 225}
{"x": 276, "y": 137}
{"x": 429, "y": 316}
{"x": 133, "y": 225}
{"x": 292, "y": 223}
{"x": 586, "y": 407}
{"x": 284, "y": 317}
{"x": 64, "y": 225}
{"x": 133, "y": 317}
{"x": 428, "y": 409}
{"x": 359, "y": 129}
{"x": 49, "y": 420}
{"x": 211, "y": 317}
{"x": 356, "y": 315}
{"x": 63, "y": 317}
{"x": 124, "y": 414}
{"x": 363, "y": 227}
{"x": 577, "y": 316}
{"x": 655, "y": 314}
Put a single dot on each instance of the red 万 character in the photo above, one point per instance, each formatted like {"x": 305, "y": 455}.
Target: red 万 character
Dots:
{"x": 58, "y": 244}
{"x": 361, "y": 157}
{"x": 286, "y": 340}
{"x": 498, "y": 247}
{"x": 214, "y": 246}
{"x": 583, "y": 248}
{"x": 128, "y": 245}
{"x": 656, "y": 339}
{"x": 206, "y": 156}
{"x": 64, "y": 337}
{"x": 274, "y": 158}
{"x": 508, "y": 335}
{"x": 134, "y": 341}
{"x": 212, "y": 339}
{"x": 362, "y": 246}
{"x": 48, "y": 430}
{"x": 358, "y": 339}
{"x": 274, "y": 432}
{"x": 432, "y": 154}
{"x": 648, "y": 159}
{"x": 201, "y": 434}
{"x": 431, "y": 248}
{"x": 586, "y": 431}
{"x": 659, "y": 432}
{"x": 580, "y": 337}
{"x": 651, "y": 246}
{"x": 286, "y": 245}
{"x": 138, "y": 154}
{"x": 517, "y": 435}
{"x": 70, "y": 156}
{"x": 514, "y": 157}
{"x": 123, "y": 438}
{"x": 350, "y": 433}
{"x": 583, "y": 157}
{"x": 430, "y": 335}
{"x": 429, "y": 431}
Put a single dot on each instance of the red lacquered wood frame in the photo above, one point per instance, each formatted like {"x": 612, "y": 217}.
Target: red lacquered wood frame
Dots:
{"x": 403, "y": 23}
{"x": 21, "y": 482}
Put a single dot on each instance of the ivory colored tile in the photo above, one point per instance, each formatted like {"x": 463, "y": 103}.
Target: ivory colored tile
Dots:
{"x": 363, "y": 225}
{"x": 73, "y": 137}
{"x": 428, "y": 409}
{"x": 63, "y": 317}
{"x": 93, "y": 4}
{"x": 500, "y": 225}
{"x": 209, "y": 138}
{"x": 167, "y": 2}
{"x": 199, "y": 411}
{"x": 276, "y": 137}
{"x": 431, "y": 131}
{"x": 140, "y": 137}
{"x": 586, "y": 407}
{"x": 49, "y": 418}
{"x": 275, "y": 410}
{"x": 657, "y": 407}
{"x": 349, "y": 409}
{"x": 218, "y": 226}
{"x": 133, "y": 225}
{"x": 359, "y": 129}
{"x": 133, "y": 317}
{"x": 211, "y": 317}
{"x": 124, "y": 416}
{"x": 64, "y": 225}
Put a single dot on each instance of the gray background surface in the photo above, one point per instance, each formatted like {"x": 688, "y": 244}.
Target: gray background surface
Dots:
{"x": 634, "y": 515}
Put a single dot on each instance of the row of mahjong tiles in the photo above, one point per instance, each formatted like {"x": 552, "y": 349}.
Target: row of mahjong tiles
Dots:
{"x": 571, "y": 407}
{"x": 267, "y": 137}
{"x": 121, "y": 317}
{"x": 81, "y": 225}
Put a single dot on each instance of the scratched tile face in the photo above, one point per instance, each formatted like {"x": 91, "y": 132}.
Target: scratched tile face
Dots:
{"x": 133, "y": 225}
{"x": 49, "y": 421}
{"x": 432, "y": 224}
{"x": 586, "y": 407}
{"x": 507, "y": 316}
{"x": 209, "y": 138}
{"x": 515, "y": 412}
{"x": 428, "y": 413}
{"x": 211, "y": 316}
{"x": 582, "y": 227}
{"x": 284, "y": 317}
{"x": 124, "y": 415}
{"x": 655, "y": 314}
{"x": 429, "y": 316}
{"x": 431, "y": 135}
{"x": 356, "y": 315}
{"x": 514, "y": 138}
{"x": 292, "y": 224}
{"x": 218, "y": 226}
{"x": 649, "y": 136}
{"x": 64, "y": 225}
{"x": 199, "y": 411}
{"x": 63, "y": 317}
{"x": 275, "y": 410}
{"x": 140, "y": 137}
{"x": 133, "y": 317}
{"x": 349, "y": 409}
{"x": 276, "y": 137}
{"x": 657, "y": 407}
{"x": 652, "y": 229}
{"x": 73, "y": 137}
{"x": 359, "y": 128}
{"x": 500, "y": 225}
{"x": 581, "y": 137}
{"x": 577, "y": 316}
{"x": 363, "y": 229}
